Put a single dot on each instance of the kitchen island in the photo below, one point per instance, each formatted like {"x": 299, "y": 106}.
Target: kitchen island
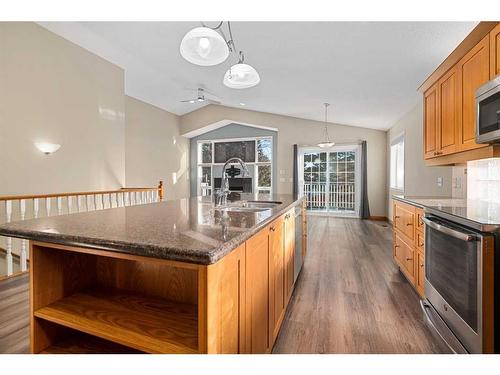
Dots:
{"x": 172, "y": 277}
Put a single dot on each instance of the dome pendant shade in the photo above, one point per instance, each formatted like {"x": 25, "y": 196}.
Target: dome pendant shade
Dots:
{"x": 204, "y": 46}
{"x": 241, "y": 76}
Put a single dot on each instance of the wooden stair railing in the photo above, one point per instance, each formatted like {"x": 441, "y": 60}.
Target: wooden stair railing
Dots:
{"x": 22, "y": 207}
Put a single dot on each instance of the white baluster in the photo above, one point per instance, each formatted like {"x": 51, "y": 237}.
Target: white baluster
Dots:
{"x": 47, "y": 206}
{"x": 122, "y": 197}
{"x": 8, "y": 215}
{"x": 116, "y": 200}
{"x": 79, "y": 202}
{"x": 110, "y": 200}
{"x": 126, "y": 199}
{"x": 24, "y": 256}
{"x": 102, "y": 201}
{"x": 59, "y": 205}
{"x": 95, "y": 201}
{"x": 70, "y": 204}
{"x": 36, "y": 207}
{"x": 87, "y": 201}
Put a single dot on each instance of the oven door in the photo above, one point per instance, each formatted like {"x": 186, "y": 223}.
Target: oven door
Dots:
{"x": 453, "y": 278}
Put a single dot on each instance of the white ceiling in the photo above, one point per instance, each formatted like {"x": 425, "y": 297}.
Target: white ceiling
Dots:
{"x": 368, "y": 71}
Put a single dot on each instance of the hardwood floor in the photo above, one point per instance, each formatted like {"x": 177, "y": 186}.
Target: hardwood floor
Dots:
{"x": 14, "y": 315}
{"x": 351, "y": 298}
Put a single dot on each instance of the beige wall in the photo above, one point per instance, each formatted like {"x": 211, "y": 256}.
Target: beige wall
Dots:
{"x": 294, "y": 130}
{"x": 419, "y": 179}
{"x": 155, "y": 150}
{"x": 52, "y": 90}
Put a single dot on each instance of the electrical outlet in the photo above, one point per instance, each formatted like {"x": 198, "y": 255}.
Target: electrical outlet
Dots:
{"x": 282, "y": 179}
{"x": 282, "y": 171}
{"x": 440, "y": 181}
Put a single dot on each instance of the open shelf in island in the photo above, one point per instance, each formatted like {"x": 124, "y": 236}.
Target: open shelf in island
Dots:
{"x": 148, "y": 324}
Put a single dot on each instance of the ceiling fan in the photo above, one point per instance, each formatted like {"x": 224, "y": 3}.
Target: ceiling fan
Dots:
{"x": 200, "y": 98}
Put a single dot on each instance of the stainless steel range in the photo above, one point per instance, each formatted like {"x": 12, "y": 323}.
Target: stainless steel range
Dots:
{"x": 460, "y": 280}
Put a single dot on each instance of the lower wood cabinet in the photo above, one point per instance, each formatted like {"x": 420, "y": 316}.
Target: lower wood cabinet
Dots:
{"x": 276, "y": 276}
{"x": 405, "y": 257}
{"x": 409, "y": 243}
{"x": 257, "y": 293}
{"x": 289, "y": 222}
{"x": 419, "y": 272}
{"x": 96, "y": 301}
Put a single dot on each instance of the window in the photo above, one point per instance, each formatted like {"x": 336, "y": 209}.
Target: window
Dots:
{"x": 398, "y": 163}
{"x": 256, "y": 152}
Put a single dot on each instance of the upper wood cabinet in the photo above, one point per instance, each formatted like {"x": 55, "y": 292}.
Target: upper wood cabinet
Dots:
{"x": 450, "y": 101}
{"x": 430, "y": 122}
{"x": 495, "y": 52}
{"x": 474, "y": 71}
{"x": 448, "y": 113}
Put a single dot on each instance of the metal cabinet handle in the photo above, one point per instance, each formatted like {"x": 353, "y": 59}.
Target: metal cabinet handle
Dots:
{"x": 397, "y": 217}
{"x": 409, "y": 258}
{"x": 272, "y": 229}
{"x": 409, "y": 224}
{"x": 396, "y": 246}
{"x": 449, "y": 231}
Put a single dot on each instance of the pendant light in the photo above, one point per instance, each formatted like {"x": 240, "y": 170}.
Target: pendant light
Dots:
{"x": 204, "y": 46}
{"x": 326, "y": 143}
{"x": 241, "y": 75}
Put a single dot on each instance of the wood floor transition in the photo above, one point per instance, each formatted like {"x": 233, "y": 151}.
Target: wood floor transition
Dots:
{"x": 350, "y": 298}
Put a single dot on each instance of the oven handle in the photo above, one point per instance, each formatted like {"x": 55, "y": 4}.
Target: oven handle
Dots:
{"x": 449, "y": 231}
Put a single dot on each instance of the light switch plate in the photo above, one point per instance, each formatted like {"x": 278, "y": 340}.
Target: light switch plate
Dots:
{"x": 440, "y": 181}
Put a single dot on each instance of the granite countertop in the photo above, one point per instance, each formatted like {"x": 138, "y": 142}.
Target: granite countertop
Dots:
{"x": 481, "y": 214}
{"x": 188, "y": 230}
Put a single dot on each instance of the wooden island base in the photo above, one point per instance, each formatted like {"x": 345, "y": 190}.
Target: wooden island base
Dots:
{"x": 93, "y": 301}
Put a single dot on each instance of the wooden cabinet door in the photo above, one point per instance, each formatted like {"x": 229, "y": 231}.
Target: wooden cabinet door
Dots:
{"x": 289, "y": 253}
{"x": 420, "y": 273}
{"x": 474, "y": 71}
{"x": 257, "y": 293}
{"x": 404, "y": 256}
{"x": 276, "y": 277}
{"x": 226, "y": 304}
{"x": 448, "y": 113}
{"x": 404, "y": 220}
{"x": 495, "y": 52}
{"x": 430, "y": 122}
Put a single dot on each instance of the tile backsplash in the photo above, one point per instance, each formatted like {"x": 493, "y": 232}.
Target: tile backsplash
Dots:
{"x": 483, "y": 180}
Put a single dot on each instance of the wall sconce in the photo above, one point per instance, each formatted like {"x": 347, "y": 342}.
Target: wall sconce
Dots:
{"x": 47, "y": 148}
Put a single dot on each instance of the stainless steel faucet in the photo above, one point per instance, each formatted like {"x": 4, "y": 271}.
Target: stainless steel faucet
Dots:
{"x": 222, "y": 194}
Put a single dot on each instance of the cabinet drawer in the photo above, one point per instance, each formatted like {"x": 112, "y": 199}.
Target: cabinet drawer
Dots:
{"x": 405, "y": 257}
{"x": 404, "y": 219}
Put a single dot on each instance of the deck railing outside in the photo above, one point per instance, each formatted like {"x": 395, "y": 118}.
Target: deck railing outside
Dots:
{"x": 330, "y": 197}
{"x": 23, "y": 207}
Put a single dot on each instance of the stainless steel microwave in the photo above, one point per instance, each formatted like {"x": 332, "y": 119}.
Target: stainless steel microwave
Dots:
{"x": 488, "y": 112}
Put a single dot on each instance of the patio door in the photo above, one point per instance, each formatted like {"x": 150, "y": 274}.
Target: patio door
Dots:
{"x": 329, "y": 179}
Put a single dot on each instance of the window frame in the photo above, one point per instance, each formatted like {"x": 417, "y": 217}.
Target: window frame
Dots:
{"x": 394, "y": 161}
{"x": 256, "y": 189}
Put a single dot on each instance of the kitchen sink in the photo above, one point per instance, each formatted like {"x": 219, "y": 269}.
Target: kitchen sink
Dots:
{"x": 249, "y": 206}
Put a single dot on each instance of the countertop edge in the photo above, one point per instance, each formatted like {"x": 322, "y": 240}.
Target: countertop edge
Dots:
{"x": 151, "y": 251}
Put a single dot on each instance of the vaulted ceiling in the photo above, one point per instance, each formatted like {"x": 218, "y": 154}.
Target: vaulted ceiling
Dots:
{"x": 368, "y": 71}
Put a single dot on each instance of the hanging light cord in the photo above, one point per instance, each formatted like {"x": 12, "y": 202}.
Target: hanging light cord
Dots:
{"x": 326, "y": 121}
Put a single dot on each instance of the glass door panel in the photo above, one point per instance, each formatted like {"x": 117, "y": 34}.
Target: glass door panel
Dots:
{"x": 330, "y": 179}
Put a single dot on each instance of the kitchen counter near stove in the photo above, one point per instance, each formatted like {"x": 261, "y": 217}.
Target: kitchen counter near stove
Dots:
{"x": 478, "y": 214}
